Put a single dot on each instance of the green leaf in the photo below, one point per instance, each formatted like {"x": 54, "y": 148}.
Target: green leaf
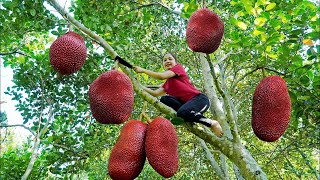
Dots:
{"x": 305, "y": 80}
{"x": 303, "y": 98}
{"x": 177, "y": 121}
{"x": 33, "y": 12}
{"x": 233, "y": 20}
{"x": 297, "y": 32}
{"x": 260, "y": 21}
{"x": 55, "y": 33}
{"x": 271, "y": 6}
{"x": 242, "y": 25}
{"x": 293, "y": 96}
{"x": 7, "y": 5}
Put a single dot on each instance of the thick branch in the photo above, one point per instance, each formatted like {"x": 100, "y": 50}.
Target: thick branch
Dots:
{"x": 212, "y": 95}
{"x": 211, "y": 92}
{"x": 210, "y": 157}
{"x": 231, "y": 115}
{"x": 237, "y": 172}
{"x": 224, "y": 166}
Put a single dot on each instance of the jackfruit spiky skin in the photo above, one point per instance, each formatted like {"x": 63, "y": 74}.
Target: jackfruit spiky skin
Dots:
{"x": 111, "y": 97}
{"x": 204, "y": 31}
{"x": 68, "y": 53}
{"x": 162, "y": 147}
{"x": 270, "y": 109}
{"x": 128, "y": 156}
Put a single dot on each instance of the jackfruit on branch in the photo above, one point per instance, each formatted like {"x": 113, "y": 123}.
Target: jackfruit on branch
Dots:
{"x": 271, "y": 109}
{"x": 162, "y": 147}
{"x": 111, "y": 97}
{"x": 128, "y": 156}
{"x": 68, "y": 53}
{"x": 204, "y": 31}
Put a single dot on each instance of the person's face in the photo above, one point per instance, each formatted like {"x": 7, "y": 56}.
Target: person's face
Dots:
{"x": 168, "y": 61}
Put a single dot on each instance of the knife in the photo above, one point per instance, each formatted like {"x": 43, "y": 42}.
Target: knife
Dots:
{"x": 123, "y": 62}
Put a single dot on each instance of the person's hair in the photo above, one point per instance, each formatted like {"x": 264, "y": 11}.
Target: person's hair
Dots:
{"x": 171, "y": 55}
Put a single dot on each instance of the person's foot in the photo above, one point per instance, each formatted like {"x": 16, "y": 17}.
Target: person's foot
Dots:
{"x": 216, "y": 128}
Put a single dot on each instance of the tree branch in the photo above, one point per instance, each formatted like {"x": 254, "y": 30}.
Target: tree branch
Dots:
{"x": 168, "y": 8}
{"x": 224, "y": 166}
{"x": 251, "y": 72}
{"x": 82, "y": 28}
{"x": 210, "y": 157}
{"x": 21, "y": 125}
{"x": 223, "y": 58}
{"x": 141, "y": 6}
{"x": 212, "y": 94}
{"x": 227, "y": 102}
{"x": 153, "y": 4}
{"x": 35, "y": 148}
{"x": 13, "y": 51}
{"x": 82, "y": 155}
{"x": 304, "y": 156}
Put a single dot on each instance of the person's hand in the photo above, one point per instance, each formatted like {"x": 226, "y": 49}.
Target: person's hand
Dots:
{"x": 137, "y": 69}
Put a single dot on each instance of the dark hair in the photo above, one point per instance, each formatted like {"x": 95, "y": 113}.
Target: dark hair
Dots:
{"x": 171, "y": 55}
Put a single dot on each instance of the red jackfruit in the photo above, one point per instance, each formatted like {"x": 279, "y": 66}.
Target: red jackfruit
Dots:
{"x": 162, "y": 147}
{"x": 204, "y": 31}
{"x": 128, "y": 156}
{"x": 270, "y": 109}
{"x": 68, "y": 53}
{"x": 111, "y": 97}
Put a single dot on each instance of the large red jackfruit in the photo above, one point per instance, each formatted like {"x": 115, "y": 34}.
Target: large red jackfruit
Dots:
{"x": 162, "y": 147}
{"x": 111, "y": 97}
{"x": 204, "y": 31}
{"x": 68, "y": 53}
{"x": 270, "y": 109}
{"x": 128, "y": 156}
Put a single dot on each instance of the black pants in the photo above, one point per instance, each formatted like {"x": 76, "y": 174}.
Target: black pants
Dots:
{"x": 192, "y": 110}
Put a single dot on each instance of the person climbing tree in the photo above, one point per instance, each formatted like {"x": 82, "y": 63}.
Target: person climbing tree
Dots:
{"x": 182, "y": 95}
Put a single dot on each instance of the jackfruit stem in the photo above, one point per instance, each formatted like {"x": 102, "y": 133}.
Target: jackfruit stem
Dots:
{"x": 263, "y": 72}
{"x": 70, "y": 27}
{"x": 116, "y": 65}
{"x": 143, "y": 113}
{"x": 204, "y": 4}
{"x": 147, "y": 117}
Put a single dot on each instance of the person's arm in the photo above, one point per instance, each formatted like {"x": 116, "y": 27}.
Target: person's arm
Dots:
{"x": 158, "y": 75}
{"x": 158, "y": 92}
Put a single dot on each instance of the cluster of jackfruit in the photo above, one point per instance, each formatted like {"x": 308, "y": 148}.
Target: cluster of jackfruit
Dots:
{"x": 157, "y": 142}
{"x": 111, "y": 102}
{"x": 111, "y": 94}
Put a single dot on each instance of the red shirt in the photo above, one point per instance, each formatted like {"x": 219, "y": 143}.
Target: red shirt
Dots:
{"x": 180, "y": 86}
